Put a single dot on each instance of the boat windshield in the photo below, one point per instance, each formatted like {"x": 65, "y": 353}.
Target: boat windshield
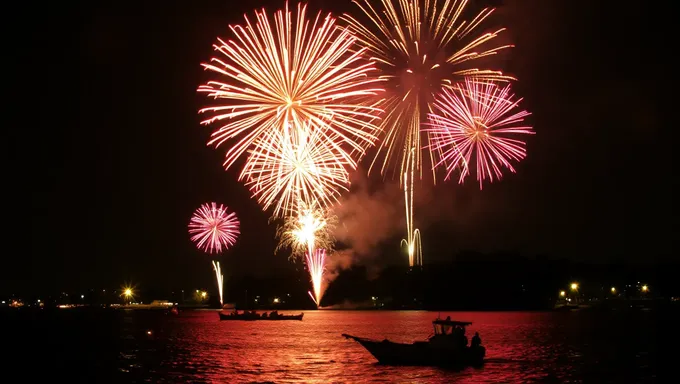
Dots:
{"x": 445, "y": 327}
{"x": 440, "y": 329}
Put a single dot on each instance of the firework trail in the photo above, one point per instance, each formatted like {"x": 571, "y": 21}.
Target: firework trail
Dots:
{"x": 296, "y": 164}
{"x": 477, "y": 117}
{"x": 419, "y": 46}
{"x": 294, "y": 71}
{"x": 214, "y": 228}
{"x": 220, "y": 279}
{"x": 316, "y": 262}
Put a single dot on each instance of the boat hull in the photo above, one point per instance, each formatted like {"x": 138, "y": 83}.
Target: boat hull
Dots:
{"x": 225, "y": 317}
{"x": 421, "y": 353}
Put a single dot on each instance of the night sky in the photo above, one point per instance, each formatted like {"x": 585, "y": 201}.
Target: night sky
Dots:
{"x": 110, "y": 148}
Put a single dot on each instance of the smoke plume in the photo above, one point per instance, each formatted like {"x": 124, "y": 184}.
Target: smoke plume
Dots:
{"x": 367, "y": 216}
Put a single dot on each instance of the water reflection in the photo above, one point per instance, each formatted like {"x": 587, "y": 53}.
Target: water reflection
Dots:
{"x": 119, "y": 346}
{"x": 521, "y": 347}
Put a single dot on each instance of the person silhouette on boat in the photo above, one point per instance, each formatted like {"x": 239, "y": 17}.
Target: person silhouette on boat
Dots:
{"x": 463, "y": 338}
{"x": 476, "y": 340}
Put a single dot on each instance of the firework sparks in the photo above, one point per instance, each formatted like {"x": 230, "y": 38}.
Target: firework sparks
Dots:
{"x": 298, "y": 163}
{"x": 419, "y": 47}
{"x": 475, "y": 118}
{"x": 213, "y": 228}
{"x": 316, "y": 263}
{"x": 311, "y": 228}
{"x": 295, "y": 70}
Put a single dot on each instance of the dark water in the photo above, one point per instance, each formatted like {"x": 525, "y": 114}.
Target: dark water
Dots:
{"x": 129, "y": 346}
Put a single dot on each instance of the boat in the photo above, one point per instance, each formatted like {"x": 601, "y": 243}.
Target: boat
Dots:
{"x": 154, "y": 305}
{"x": 252, "y": 316}
{"x": 447, "y": 347}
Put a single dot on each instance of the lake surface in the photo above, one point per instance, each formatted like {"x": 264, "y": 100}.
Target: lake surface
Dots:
{"x": 135, "y": 346}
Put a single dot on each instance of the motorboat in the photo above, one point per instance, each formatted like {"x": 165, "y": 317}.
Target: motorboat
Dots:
{"x": 447, "y": 347}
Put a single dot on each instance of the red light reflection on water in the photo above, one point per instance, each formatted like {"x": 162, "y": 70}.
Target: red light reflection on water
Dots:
{"x": 521, "y": 347}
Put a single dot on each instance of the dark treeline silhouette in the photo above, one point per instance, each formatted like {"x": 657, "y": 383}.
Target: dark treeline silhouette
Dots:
{"x": 470, "y": 281}
{"x": 499, "y": 281}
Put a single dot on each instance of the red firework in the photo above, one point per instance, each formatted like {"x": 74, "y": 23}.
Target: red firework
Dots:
{"x": 480, "y": 118}
{"x": 213, "y": 228}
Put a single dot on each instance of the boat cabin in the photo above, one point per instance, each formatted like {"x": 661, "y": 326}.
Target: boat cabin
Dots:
{"x": 446, "y": 327}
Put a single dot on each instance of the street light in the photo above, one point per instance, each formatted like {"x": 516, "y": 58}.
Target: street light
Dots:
{"x": 613, "y": 290}
{"x": 562, "y": 293}
{"x": 127, "y": 292}
{"x": 574, "y": 286}
{"x": 645, "y": 288}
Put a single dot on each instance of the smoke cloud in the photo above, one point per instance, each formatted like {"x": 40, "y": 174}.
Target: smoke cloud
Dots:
{"x": 371, "y": 217}
{"x": 373, "y": 212}
{"x": 367, "y": 216}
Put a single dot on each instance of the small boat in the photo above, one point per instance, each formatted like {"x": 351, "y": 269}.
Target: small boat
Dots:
{"x": 252, "y": 316}
{"x": 154, "y": 305}
{"x": 447, "y": 347}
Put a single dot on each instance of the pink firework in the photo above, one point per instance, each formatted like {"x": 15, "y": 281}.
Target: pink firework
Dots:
{"x": 213, "y": 228}
{"x": 480, "y": 118}
{"x": 316, "y": 263}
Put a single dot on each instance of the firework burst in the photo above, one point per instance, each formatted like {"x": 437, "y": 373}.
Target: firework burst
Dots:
{"x": 481, "y": 119}
{"x": 292, "y": 71}
{"x": 312, "y": 227}
{"x": 213, "y": 228}
{"x": 296, "y": 164}
{"x": 419, "y": 46}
